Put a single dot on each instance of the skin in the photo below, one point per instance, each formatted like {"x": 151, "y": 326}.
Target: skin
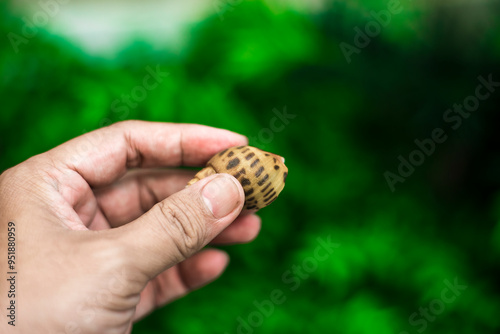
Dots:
{"x": 104, "y": 236}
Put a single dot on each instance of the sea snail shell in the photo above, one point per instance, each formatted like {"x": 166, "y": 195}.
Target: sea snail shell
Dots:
{"x": 261, "y": 174}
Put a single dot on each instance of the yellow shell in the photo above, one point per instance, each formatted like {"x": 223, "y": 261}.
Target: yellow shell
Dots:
{"x": 261, "y": 174}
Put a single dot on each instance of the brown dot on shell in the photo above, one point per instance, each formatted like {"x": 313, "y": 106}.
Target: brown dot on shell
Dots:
{"x": 241, "y": 172}
{"x": 266, "y": 187}
{"x": 285, "y": 174}
{"x": 259, "y": 171}
{"x": 233, "y": 163}
{"x": 272, "y": 200}
{"x": 261, "y": 182}
{"x": 249, "y": 156}
{"x": 270, "y": 191}
{"x": 230, "y": 154}
{"x": 276, "y": 167}
{"x": 222, "y": 153}
{"x": 245, "y": 182}
{"x": 254, "y": 163}
{"x": 249, "y": 192}
{"x": 270, "y": 196}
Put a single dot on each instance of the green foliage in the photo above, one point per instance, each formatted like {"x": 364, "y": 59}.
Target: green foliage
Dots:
{"x": 352, "y": 122}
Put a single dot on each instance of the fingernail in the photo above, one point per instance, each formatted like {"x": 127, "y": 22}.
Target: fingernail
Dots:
{"x": 221, "y": 195}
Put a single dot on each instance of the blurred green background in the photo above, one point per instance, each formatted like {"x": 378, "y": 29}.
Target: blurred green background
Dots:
{"x": 236, "y": 65}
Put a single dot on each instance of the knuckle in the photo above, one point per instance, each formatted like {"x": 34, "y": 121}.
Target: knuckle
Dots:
{"x": 183, "y": 226}
{"x": 21, "y": 178}
{"x": 5, "y": 175}
{"x": 112, "y": 260}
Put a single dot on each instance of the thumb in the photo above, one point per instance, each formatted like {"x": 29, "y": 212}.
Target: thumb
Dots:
{"x": 179, "y": 226}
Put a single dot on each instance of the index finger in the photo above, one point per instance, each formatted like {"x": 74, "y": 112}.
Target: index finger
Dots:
{"x": 104, "y": 155}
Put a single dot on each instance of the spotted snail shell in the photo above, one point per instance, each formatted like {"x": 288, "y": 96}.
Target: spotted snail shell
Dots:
{"x": 261, "y": 174}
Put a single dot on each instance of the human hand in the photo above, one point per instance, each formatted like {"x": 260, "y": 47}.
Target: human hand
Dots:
{"x": 98, "y": 246}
